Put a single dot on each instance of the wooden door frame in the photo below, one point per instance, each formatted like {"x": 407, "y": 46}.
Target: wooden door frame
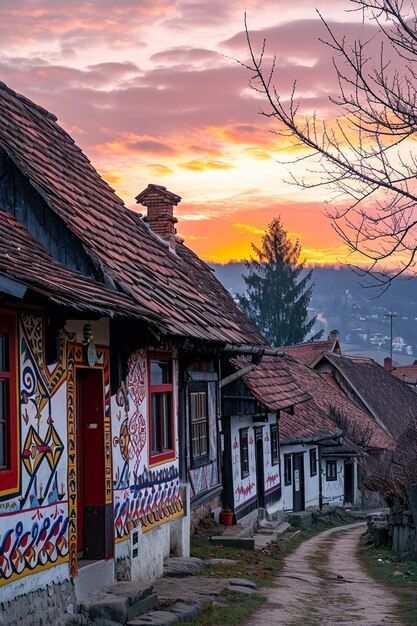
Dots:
{"x": 76, "y": 359}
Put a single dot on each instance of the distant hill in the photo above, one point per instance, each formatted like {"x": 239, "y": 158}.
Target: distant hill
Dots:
{"x": 341, "y": 302}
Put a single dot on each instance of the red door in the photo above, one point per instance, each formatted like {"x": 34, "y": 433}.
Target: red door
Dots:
{"x": 90, "y": 463}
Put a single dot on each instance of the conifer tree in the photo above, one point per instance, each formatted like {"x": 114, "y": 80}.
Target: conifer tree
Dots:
{"x": 278, "y": 291}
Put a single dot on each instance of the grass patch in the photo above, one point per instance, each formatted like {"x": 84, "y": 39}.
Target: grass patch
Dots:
{"x": 234, "y": 612}
{"x": 400, "y": 577}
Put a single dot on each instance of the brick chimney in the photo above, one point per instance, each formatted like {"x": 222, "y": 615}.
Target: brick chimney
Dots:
{"x": 160, "y": 204}
{"x": 334, "y": 335}
{"x": 388, "y": 364}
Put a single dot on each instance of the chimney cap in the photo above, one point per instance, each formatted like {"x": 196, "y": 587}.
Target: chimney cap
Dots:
{"x": 156, "y": 193}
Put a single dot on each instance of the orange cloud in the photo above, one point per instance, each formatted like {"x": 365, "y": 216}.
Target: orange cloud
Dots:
{"x": 199, "y": 166}
{"x": 159, "y": 170}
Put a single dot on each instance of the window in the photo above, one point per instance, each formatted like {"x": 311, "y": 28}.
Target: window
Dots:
{"x": 244, "y": 453}
{"x": 9, "y": 474}
{"x": 331, "y": 470}
{"x": 274, "y": 445}
{"x": 199, "y": 426}
{"x": 287, "y": 469}
{"x": 313, "y": 461}
{"x": 161, "y": 413}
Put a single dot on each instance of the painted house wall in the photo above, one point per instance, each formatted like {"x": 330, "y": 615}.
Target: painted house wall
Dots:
{"x": 245, "y": 489}
{"x": 333, "y": 490}
{"x": 311, "y": 483}
{"x": 146, "y": 494}
{"x": 34, "y": 519}
{"x": 38, "y": 519}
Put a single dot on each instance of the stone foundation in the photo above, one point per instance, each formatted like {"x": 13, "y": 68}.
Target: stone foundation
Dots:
{"x": 41, "y": 607}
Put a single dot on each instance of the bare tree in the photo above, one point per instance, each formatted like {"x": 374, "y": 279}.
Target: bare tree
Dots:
{"x": 364, "y": 158}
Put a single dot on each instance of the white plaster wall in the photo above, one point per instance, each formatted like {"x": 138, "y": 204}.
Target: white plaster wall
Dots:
{"x": 180, "y": 528}
{"x": 153, "y": 547}
{"x": 333, "y": 490}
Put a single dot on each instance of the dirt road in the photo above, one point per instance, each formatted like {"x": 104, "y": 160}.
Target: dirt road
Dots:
{"x": 323, "y": 583}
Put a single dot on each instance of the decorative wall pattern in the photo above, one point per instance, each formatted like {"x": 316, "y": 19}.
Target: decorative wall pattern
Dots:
{"x": 34, "y": 524}
{"x": 271, "y": 472}
{"x": 34, "y": 541}
{"x": 153, "y": 498}
{"x": 142, "y": 496}
{"x": 245, "y": 490}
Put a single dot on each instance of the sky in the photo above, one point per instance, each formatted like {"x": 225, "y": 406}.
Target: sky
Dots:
{"x": 153, "y": 92}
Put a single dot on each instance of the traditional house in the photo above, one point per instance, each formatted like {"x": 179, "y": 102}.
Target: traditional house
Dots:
{"x": 339, "y": 460}
{"x": 254, "y": 390}
{"x": 111, "y": 332}
{"x": 309, "y": 352}
{"x": 406, "y": 373}
{"x": 391, "y": 404}
{"x": 303, "y": 432}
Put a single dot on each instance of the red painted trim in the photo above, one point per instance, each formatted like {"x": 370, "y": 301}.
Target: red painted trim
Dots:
{"x": 10, "y": 476}
{"x": 166, "y": 455}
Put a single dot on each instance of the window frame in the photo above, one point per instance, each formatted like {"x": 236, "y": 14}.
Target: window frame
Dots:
{"x": 199, "y": 388}
{"x": 244, "y": 459}
{"x": 331, "y": 475}
{"x": 10, "y": 472}
{"x": 273, "y": 434}
{"x": 287, "y": 470}
{"x": 161, "y": 455}
{"x": 313, "y": 462}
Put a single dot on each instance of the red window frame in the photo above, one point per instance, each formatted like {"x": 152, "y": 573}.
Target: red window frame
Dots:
{"x": 166, "y": 454}
{"x": 9, "y": 472}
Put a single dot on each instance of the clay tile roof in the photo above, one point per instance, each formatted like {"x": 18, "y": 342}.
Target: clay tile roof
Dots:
{"x": 309, "y": 351}
{"x": 177, "y": 288}
{"x": 22, "y": 258}
{"x": 384, "y": 396}
{"x": 308, "y": 423}
{"x": 271, "y": 382}
{"x": 329, "y": 397}
{"x": 406, "y": 373}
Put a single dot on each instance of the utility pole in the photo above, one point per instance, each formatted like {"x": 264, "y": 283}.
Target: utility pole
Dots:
{"x": 390, "y": 315}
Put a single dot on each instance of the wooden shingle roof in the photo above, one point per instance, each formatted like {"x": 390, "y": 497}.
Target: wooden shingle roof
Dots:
{"x": 176, "y": 288}
{"x": 309, "y": 351}
{"x": 328, "y": 396}
{"x": 23, "y": 259}
{"x": 308, "y": 423}
{"x": 384, "y": 396}
{"x": 271, "y": 382}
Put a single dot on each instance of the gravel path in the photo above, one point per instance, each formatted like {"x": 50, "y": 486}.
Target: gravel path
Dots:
{"x": 323, "y": 583}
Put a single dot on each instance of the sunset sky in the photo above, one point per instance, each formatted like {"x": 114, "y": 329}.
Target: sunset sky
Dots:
{"x": 152, "y": 92}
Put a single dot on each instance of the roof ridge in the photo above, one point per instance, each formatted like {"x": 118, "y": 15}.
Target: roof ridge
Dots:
{"x": 27, "y": 102}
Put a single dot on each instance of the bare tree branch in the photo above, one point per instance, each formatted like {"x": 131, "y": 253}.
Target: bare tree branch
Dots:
{"x": 361, "y": 157}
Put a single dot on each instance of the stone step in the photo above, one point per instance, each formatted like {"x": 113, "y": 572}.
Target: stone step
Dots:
{"x": 119, "y": 603}
{"x": 179, "y": 611}
{"x": 183, "y": 566}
